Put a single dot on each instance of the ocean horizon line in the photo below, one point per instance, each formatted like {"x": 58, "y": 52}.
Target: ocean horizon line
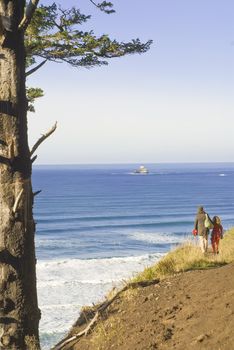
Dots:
{"x": 132, "y": 163}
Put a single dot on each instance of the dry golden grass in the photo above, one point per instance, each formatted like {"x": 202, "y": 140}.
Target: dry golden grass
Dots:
{"x": 189, "y": 257}
{"x": 105, "y": 331}
{"x": 185, "y": 257}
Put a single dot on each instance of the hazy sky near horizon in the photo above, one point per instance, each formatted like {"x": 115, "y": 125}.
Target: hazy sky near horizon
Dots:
{"x": 172, "y": 104}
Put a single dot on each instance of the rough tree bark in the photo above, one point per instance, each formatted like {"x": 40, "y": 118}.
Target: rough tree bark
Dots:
{"x": 19, "y": 313}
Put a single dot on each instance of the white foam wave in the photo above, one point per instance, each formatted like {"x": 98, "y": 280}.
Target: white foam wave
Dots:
{"x": 64, "y": 286}
{"x": 158, "y": 238}
{"x": 57, "y": 243}
{"x": 222, "y": 174}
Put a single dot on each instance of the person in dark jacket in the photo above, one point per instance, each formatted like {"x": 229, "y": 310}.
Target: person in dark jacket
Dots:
{"x": 202, "y": 231}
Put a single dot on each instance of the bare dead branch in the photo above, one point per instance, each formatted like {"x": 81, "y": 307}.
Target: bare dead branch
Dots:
{"x": 43, "y": 138}
{"x": 84, "y": 332}
{"x": 33, "y": 70}
{"x": 29, "y": 12}
{"x": 17, "y": 201}
{"x": 33, "y": 159}
{"x": 36, "y": 193}
{"x": 103, "y": 307}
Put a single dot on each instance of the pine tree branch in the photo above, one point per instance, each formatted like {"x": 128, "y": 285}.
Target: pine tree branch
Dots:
{"x": 104, "y": 6}
{"x": 43, "y": 138}
{"x": 94, "y": 3}
{"x": 29, "y": 12}
{"x": 33, "y": 70}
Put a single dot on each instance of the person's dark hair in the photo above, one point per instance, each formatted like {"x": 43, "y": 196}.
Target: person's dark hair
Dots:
{"x": 200, "y": 210}
{"x": 216, "y": 220}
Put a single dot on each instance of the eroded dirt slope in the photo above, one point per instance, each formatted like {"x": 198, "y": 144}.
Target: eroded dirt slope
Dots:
{"x": 193, "y": 310}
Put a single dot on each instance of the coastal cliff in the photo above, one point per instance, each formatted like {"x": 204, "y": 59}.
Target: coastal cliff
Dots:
{"x": 185, "y": 301}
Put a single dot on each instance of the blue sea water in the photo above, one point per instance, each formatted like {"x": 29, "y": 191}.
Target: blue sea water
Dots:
{"x": 97, "y": 225}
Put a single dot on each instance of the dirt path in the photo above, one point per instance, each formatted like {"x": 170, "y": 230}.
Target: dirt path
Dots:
{"x": 193, "y": 310}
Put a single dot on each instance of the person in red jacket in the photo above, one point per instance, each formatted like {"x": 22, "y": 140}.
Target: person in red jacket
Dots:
{"x": 217, "y": 233}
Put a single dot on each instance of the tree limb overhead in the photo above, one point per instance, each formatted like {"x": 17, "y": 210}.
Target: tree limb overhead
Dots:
{"x": 104, "y": 6}
{"x": 33, "y": 70}
{"x": 43, "y": 138}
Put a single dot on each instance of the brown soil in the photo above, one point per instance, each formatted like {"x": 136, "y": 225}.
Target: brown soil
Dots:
{"x": 193, "y": 310}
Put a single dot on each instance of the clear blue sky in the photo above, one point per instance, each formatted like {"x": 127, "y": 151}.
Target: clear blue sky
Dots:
{"x": 172, "y": 104}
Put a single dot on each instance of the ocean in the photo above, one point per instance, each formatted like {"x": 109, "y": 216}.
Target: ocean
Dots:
{"x": 98, "y": 225}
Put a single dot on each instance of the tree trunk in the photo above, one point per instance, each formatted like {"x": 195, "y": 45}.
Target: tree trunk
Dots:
{"x": 19, "y": 313}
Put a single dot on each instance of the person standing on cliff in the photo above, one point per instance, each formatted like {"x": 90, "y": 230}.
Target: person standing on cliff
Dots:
{"x": 202, "y": 230}
{"x": 217, "y": 233}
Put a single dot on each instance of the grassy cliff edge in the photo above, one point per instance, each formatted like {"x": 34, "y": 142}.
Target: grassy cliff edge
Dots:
{"x": 188, "y": 256}
{"x": 138, "y": 298}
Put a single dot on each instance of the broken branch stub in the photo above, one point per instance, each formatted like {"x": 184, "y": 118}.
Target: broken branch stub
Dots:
{"x": 43, "y": 138}
{"x": 17, "y": 201}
